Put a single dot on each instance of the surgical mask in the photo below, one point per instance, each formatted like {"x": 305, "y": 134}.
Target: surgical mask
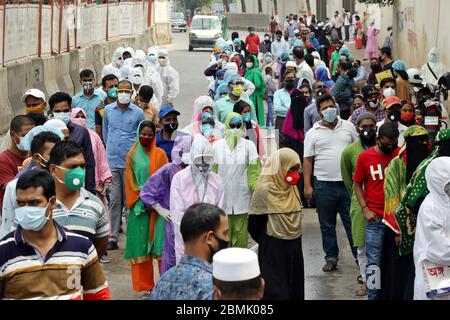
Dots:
{"x": 330, "y": 115}
{"x": 247, "y": 117}
{"x": 238, "y": 90}
{"x": 249, "y": 65}
{"x": 267, "y": 38}
{"x": 20, "y": 144}
{"x": 170, "y": 127}
{"x": 152, "y": 59}
{"x": 80, "y": 121}
{"x": 31, "y": 218}
{"x": 388, "y": 92}
{"x": 112, "y": 93}
{"x": 74, "y": 178}
{"x": 44, "y": 161}
{"x": 186, "y": 158}
{"x": 252, "y": 33}
{"x": 63, "y": 116}
{"x": 268, "y": 59}
{"x": 88, "y": 86}
{"x": 368, "y": 136}
{"x": 292, "y": 178}
{"x": 207, "y": 130}
{"x": 373, "y": 104}
{"x": 394, "y": 115}
{"x": 124, "y": 98}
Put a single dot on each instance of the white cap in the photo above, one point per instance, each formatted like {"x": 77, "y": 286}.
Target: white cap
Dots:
{"x": 235, "y": 264}
{"x": 35, "y": 93}
{"x": 291, "y": 64}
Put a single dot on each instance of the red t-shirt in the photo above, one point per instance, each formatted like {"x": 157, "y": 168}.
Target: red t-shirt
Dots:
{"x": 370, "y": 171}
{"x": 252, "y": 43}
{"x": 10, "y": 165}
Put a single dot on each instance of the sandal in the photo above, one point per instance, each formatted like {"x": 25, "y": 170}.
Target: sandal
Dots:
{"x": 362, "y": 291}
{"x": 329, "y": 266}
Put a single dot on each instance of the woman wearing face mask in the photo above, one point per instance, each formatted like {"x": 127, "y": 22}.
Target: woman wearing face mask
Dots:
{"x": 252, "y": 131}
{"x": 408, "y": 117}
{"x": 237, "y": 163}
{"x": 145, "y": 228}
{"x": 398, "y": 175}
{"x": 254, "y": 74}
{"x": 204, "y": 104}
{"x": 375, "y": 68}
{"x": 282, "y": 104}
{"x": 275, "y": 223}
{"x": 403, "y": 87}
{"x": 194, "y": 184}
{"x": 156, "y": 194}
{"x": 268, "y": 61}
{"x": 102, "y": 172}
{"x": 265, "y": 45}
{"x": 323, "y": 75}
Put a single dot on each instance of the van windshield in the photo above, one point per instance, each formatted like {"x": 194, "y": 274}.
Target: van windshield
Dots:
{"x": 205, "y": 24}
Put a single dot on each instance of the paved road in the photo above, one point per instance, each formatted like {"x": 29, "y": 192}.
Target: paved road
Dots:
{"x": 339, "y": 285}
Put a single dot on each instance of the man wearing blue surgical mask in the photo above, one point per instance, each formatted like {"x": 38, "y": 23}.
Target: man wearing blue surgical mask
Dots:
{"x": 324, "y": 144}
{"x": 12, "y": 158}
{"x": 40, "y": 242}
{"x": 88, "y": 99}
{"x": 60, "y": 106}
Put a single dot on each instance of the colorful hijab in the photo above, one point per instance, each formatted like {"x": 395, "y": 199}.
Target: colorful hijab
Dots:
{"x": 233, "y": 135}
{"x": 417, "y": 189}
{"x": 276, "y": 198}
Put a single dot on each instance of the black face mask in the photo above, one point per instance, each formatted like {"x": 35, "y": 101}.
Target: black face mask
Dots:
{"x": 374, "y": 66}
{"x": 223, "y": 244}
{"x": 387, "y": 150}
{"x": 368, "y": 137}
{"x": 290, "y": 84}
{"x": 38, "y": 118}
{"x": 170, "y": 127}
{"x": 394, "y": 115}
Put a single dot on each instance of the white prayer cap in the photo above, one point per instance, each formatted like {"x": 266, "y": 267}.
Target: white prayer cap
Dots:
{"x": 235, "y": 264}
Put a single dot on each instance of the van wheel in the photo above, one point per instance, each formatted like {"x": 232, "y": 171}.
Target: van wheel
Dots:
{"x": 191, "y": 48}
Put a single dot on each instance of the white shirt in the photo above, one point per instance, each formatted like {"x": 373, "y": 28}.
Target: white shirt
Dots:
{"x": 401, "y": 129}
{"x": 326, "y": 146}
{"x": 232, "y": 168}
{"x": 9, "y": 207}
{"x": 278, "y": 47}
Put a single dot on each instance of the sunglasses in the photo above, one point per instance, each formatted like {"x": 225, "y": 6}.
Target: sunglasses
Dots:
{"x": 236, "y": 125}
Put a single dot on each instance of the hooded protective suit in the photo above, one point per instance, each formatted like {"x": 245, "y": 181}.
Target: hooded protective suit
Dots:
{"x": 191, "y": 186}
{"x": 115, "y": 65}
{"x": 170, "y": 80}
{"x": 432, "y": 243}
{"x": 156, "y": 193}
{"x": 433, "y": 70}
{"x": 152, "y": 56}
{"x": 194, "y": 127}
{"x": 125, "y": 70}
{"x": 151, "y": 76}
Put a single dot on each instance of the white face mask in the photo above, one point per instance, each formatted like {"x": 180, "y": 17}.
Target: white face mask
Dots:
{"x": 373, "y": 105}
{"x": 389, "y": 92}
{"x": 124, "y": 98}
{"x": 249, "y": 64}
{"x": 186, "y": 158}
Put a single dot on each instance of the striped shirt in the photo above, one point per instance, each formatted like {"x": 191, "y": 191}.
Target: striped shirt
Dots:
{"x": 70, "y": 271}
{"x": 86, "y": 217}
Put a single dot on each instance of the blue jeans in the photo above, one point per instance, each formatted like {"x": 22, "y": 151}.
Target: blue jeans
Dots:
{"x": 270, "y": 122}
{"x": 332, "y": 198}
{"x": 374, "y": 246}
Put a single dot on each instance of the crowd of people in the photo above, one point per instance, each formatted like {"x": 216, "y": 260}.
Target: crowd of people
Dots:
{"x": 349, "y": 143}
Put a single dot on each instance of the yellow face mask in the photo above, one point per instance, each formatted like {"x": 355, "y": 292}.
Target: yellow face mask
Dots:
{"x": 36, "y": 108}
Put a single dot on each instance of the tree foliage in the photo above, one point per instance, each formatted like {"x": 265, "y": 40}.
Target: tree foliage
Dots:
{"x": 381, "y": 3}
{"x": 192, "y": 4}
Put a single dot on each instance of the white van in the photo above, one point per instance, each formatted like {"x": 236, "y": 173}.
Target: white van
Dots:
{"x": 205, "y": 31}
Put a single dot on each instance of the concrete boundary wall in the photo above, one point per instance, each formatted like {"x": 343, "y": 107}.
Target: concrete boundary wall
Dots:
{"x": 61, "y": 72}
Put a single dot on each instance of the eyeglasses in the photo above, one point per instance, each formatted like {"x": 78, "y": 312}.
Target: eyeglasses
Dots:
{"x": 237, "y": 125}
